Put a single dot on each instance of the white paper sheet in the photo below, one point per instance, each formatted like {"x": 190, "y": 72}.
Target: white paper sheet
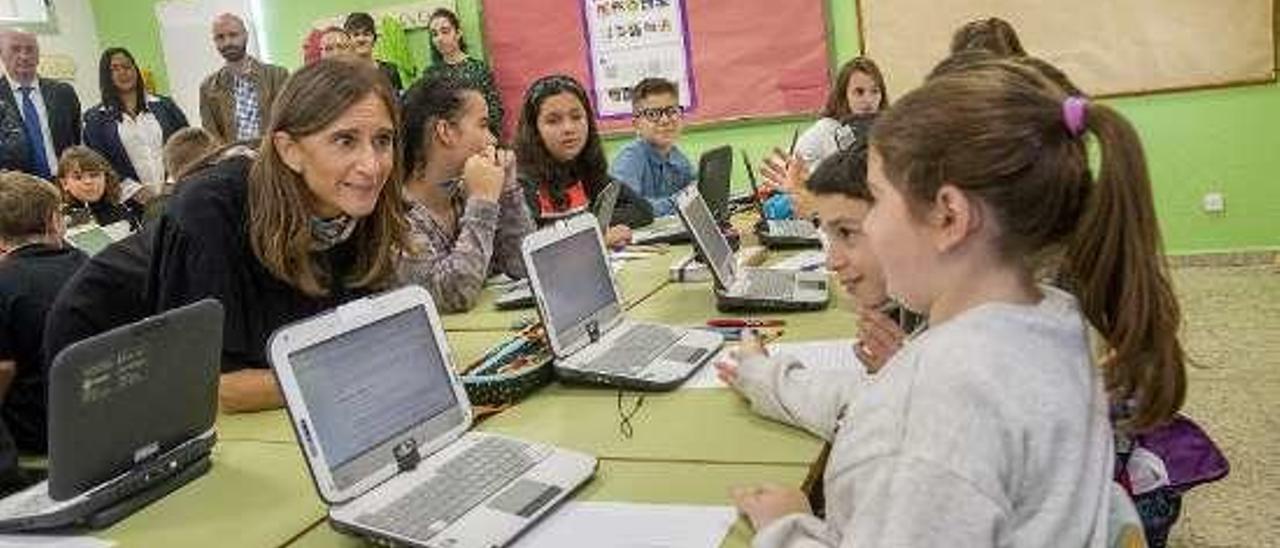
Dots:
{"x": 50, "y": 541}
{"x": 819, "y": 354}
{"x": 630, "y": 525}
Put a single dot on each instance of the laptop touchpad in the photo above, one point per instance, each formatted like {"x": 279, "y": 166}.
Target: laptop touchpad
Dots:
{"x": 525, "y": 497}
{"x": 685, "y": 354}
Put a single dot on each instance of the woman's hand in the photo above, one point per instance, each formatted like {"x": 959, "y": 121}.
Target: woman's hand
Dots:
{"x": 765, "y": 504}
{"x": 750, "y": 345}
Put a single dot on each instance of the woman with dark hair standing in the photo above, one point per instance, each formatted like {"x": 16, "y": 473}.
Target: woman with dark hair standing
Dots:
{"x": 467, "y": 214}
{"x": 129, "y": 127}
{"x": 449, "y": 58}
{"x": 314, "y": 219}
{"x": 562, "y": 163}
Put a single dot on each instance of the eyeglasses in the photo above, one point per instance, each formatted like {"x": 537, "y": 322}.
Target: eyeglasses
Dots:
{"x": 658, "y": 113}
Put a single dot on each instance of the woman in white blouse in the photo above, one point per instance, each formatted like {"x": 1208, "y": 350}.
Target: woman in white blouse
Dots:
{"x": 129, "y": 127}
{"x": 858, "y": 90}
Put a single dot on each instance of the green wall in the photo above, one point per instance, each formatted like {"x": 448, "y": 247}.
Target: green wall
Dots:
{"x": 1225, "y": 140}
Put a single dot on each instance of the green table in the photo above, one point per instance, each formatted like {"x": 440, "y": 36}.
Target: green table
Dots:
{"x": 638, "y": 279}
{"x": 648, "y": 482}
{"x": 693, "y": 303}
{"x": 705, "y": 425}
{"x": 256, "y": 494}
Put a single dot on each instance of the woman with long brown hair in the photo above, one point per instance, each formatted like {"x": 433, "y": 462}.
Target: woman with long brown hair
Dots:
{"x": 312, "y": 220}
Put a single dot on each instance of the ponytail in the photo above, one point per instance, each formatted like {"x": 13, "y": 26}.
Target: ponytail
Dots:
{"x": 1116, "y": 261}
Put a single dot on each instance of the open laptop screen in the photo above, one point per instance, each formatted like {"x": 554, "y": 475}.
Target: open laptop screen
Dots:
{"x": 574, "y": 279}
{"x": 711, "y": 242}
{"x": 365, "y": 387}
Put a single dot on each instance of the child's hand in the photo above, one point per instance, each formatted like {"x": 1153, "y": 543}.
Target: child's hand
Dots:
{"x": 880, "y": 338}
{"x": 784, "y": 172}
{"x": 484, "y": 174}
{"x": 765, "y": 504}
{"x": 617, "y": 236}
{"x": 727, "y": 372}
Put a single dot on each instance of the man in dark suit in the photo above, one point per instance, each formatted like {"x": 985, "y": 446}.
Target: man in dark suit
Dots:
{"x": 39, "y": 118}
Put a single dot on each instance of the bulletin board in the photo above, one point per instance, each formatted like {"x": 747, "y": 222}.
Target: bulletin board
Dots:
{"x": 1106, "y": 47}
{"x": 749, "y": 59}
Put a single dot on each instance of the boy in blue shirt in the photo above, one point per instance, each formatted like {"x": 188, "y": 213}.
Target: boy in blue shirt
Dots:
{"x": 652, "y": 166}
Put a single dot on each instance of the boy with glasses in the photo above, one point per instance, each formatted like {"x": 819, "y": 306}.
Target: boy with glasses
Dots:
{"x": 652, "y": 166}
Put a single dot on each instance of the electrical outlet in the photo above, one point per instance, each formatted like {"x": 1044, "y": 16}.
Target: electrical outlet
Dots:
{"x": 1214, "y": 203}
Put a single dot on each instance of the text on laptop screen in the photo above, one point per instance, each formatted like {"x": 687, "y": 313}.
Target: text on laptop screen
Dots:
{"x": 712, "y": 242}
{"x": 366, "y": 386}
{"x": 574, "y": 277}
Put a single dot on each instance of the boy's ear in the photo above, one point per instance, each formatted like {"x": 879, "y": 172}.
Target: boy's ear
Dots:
{"x": 954, "y": 216}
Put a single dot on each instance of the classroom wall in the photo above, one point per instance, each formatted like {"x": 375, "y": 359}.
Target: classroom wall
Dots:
{"x": 1223, "y": 140}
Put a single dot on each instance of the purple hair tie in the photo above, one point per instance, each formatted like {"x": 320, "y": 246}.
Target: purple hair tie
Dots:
{"x": 1073, "y": 114}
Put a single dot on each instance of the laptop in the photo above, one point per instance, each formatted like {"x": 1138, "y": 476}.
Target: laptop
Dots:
{"x": 747, "y": 288}
{"x": 779, "y": 233}
{"x": 383, "y": 423}
{"x": 131, "y": 415}
{"x": 90, "y": 237}
{"x": 582, "y": 310}
{"x": 517, "y": 294}
{"x": 714, "y": 169}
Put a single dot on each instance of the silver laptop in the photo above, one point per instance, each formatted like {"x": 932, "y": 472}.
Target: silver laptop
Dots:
{"x": 517, "y": 294}
{"x": 383, "y": 423}
{"x": 776, "y": 233}
{"x": 582, "y": 310}
{"x": 747, "y": 288}
{"x": 131, "y": 416}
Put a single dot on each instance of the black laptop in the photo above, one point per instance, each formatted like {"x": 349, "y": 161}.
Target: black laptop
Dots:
{"x": 715, "y": 167}
{"x": 131, "y": 415}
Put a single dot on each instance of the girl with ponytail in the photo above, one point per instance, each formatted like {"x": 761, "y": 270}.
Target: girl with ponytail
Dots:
{"x": 991, "y": 428}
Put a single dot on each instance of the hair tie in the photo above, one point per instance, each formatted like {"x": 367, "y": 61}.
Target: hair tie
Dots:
{"x": 1073, "y": 114}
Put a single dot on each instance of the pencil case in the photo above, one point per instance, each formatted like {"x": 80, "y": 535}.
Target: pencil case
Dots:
{"x": 510, "y": 370}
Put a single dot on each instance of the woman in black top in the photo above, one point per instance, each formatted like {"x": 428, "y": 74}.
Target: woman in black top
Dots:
{"x": 311, "y": 221}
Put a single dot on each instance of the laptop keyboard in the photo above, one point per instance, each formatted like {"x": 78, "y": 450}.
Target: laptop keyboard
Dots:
{"x": 461, "y": 483}
{"x": 771, "y": 284}
{"x": 792, "y": 229}
{"x": 635, "y": 349}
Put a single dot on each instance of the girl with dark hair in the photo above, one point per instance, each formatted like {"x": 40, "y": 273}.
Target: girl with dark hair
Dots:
{"x": 449, "y": 58}
{"x": 991, "y": 428}
{"x": 562, "y": 163}
{"x": 91, "y": 190}
{"x": 858, "y": 91}
{"x": 467, "y": 214}
{"x": 130, "y": 127}
{"x": 313, "y": 220}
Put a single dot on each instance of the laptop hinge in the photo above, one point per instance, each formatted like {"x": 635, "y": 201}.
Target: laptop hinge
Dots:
{"x": 406, "y": 453}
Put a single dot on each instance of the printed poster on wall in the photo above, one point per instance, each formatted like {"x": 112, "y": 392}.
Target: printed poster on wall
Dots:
{"x": 629, "y": 40}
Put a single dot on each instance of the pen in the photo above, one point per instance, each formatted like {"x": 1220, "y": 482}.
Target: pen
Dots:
{"x": 791, "y": 151}
{"x": 744, "y": 322}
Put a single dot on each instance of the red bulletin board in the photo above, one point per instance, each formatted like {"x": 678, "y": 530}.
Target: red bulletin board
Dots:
{"x": 751, "y": 59}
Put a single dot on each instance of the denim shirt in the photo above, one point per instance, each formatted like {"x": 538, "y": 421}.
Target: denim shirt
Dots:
{"x": 656, "y": 179}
